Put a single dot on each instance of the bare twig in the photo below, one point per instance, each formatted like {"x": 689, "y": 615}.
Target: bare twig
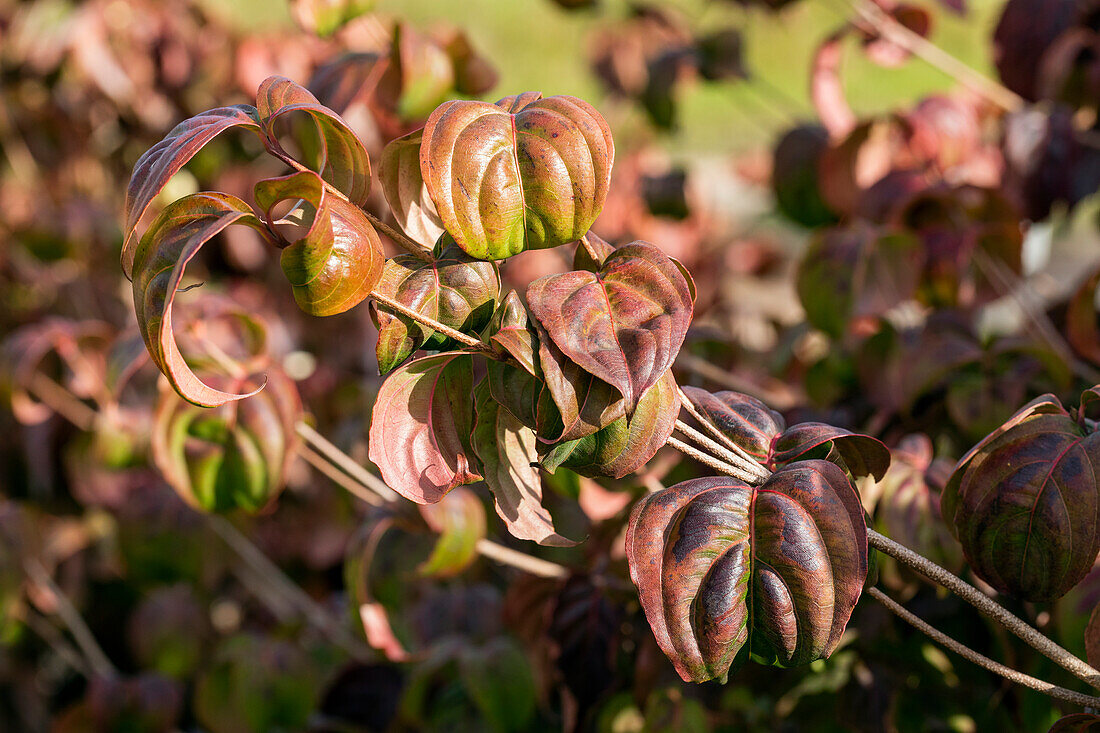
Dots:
{"x": 527, "y": 563}
{"x": 986, "y": 605}
{"x": 721, "y": 452}
{"x": 751, "y": 463}
{"x": 98, "y": 661}
{"x": 62, "y": 401}
{"x": 430, "y": 322}
{"x": 709, "y": 460}
{"x": 339, "y": 478}
{"x": 345, "y": 462}
{"x": 1060, "y": 693}
{"x": 936, "y": 57}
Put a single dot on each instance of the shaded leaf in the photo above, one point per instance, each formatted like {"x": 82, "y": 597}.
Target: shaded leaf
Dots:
{"x": 338, "y": 261}
{"x": 233, "y": 457}
{"x": 747, "y": 421}
{"x": 1076, "y": 723}
{"x": 459, "y": 519}
{"x": 506, "y": 449}
{"x": 627, "y": 444}
{"x": 453, "y": 289}
{"x": 1082, "y": 330}
{"x": 725, "y": 570}
{"x": 504, "y": 183}
{"x": 421, "y": 425}
{"x": 796, "y": 170}
{"x": 623, "y": 324}
{"x": 171, "y": 241}
{"x": 508, "y": 333}
{"x": 325, "y": 17}
{"x": 159, "y": 163}
{"x": 403, "y": 185}
{"x": 585, "y": 403}
{"x": 1025, "y": 503}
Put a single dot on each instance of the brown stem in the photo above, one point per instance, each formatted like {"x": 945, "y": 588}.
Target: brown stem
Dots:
{"x": 1060, "y": 693}
{"x": 66, "y": 611}
{"x": 345, "y": 462}
{"x": 430, "y": 322}
{"x": 751, "y": 464}
{"x": 709, "y": 460}
{"x": 986, "y": 605}
{"x": 936, "y": 57}
{"x": 62, "y": 401}
{"x": 721, "y": 452}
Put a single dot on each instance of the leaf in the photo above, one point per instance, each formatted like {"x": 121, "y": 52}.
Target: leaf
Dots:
{"x": 421, "y": 425}
{"x": 747, "y": 421}
{"x": 1076, "y": 723}
{"x": 498, "y": 678}
{"x": 527, "y": 398}
{"x": 725, "y": 570}
{"x": 628, "y": 443}
{"x": 509, "y": 334}
{"x": 423, "y": 70}
{"x": 159, "y": 163}
{"x": 623, "y": 324}
{"x": 585, "y": 403}
{"x": 857, "y": 272}
{"x": 337, "y": 154}
{"x": 1025, "y": 503}
{"x": 325, "y": 17}
{"x": 453, "y": 289}
{"x": 403, "y": 185}
{"x": 233, "y": 457}
{"x": 459, "y": 519}
{"x": 336, "y": 264}
{"x": 796, "y": 170}
{"x": 171, "y": 241}
{"x": 504, "y": 183}
{"x": 862, "y": 454}
{"x": 1081, "y": 325}
{"x": 506, "y": 448}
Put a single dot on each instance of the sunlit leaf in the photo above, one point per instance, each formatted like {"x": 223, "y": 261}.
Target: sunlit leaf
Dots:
{"x": 403, "y": 185}
{"x": 504, "y": 183}
{"x": 421, "y": 426}
{"x": 725, "y": 570}
{"x": 623, "y": 324}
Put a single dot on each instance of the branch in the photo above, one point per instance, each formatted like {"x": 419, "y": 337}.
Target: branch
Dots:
{"x": 430, "y": 322}
{"x": 713, "y": 462}
{"x": 716, "y": 450}
{"x": 1059, "y": 693}
{"x": 986, "y": 605}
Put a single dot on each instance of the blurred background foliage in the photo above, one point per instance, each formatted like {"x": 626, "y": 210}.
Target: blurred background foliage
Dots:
{"x": 124, "y": 609}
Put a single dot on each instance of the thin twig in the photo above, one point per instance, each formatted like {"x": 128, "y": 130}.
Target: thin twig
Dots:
{"x": 338, "y": 477}
{"x": 713, "y": 462}
{"x": 986, "y": 605}
{"x": 345, "y": 462}
{"x": 508, "y": 556}
{"x": 935, "y": 56}
{"x": 752, "y": 464}
{"x": 66, "y": 611}
{"x": 719, "y": 451}
{"x": 57, "y": 641}
{"x": 277, "y": 579}
{"x": 62, "y": 401}
{"x": 1060, "y": 693}
{"x": 430, "y": 322}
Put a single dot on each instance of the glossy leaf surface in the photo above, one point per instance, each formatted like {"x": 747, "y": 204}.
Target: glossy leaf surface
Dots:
{"x": 623, "y": 324}
{"x": 403, "y": 185}
{"x": 337, "y": 262}
{"x": 751, "y": 424}
{"x": 1025, "y": 503}
{"x": 165, "y": 159}
{"x": 233, "y": 457}
{"x": 421, "y": 425}
{"x": 725, "y": 570}
{"x": 526, "y": 173}
{"x": 506, "y": 448}
{"x": 454, "y": 289}
{"x": 170, "y": 243}
{"x": 862, "y": 454}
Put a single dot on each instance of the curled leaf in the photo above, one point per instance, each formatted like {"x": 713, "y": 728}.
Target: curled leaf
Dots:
{"x": 506, "y": 448}
{"x": 747, "y": 421}
{"x": 526, "y": 173}
{"x": 421, "y": 425}
{"x": 158, "y": 267}
{"x": 337, "y": 262}
{"x": 585, "y": 403}
{"x": 725, "y": 570}
{"x": 624, "y": 323}
{"x": 454, "y": 289}
{"x": 1025, "y": 503}
{"x": 862, "y": 454}
{"x": 233, "y": 457}
{"x": 403, "y": 185}
{"x": 335, "y": 152}
{"x": 165, "y": 159}
{"x": 509, "y": 334}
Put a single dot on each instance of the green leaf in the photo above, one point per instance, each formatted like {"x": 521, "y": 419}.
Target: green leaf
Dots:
{"x": 459, "y": 519}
